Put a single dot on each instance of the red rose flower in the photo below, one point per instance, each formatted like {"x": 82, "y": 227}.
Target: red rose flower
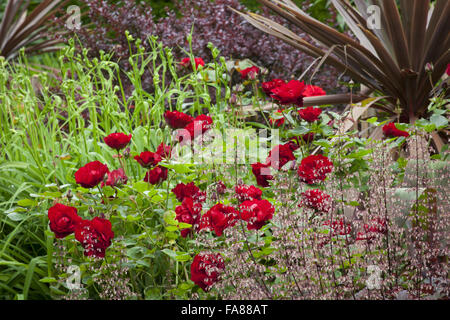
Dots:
{"x": 177, "y": 120}
{"x": 310, "y": 114}
{"x": 270, "y": 85}
{"x": 199, "y": 126}
{"x": 116, "y": 178}
{"x": 391, "y": 131}
{"x": 187, "y": 62}
{"x": 118, "y": 140}
{"x": 249, "y": 73}
{"x": 262, "y": 174}
{"x": 256, "y": 213}
{"x": 314, "y": 168}
{"x": 289, "y": 93}
{"x": 164, "y": 151}
{"x": 313, "y": 91}
{"x": 189, "y": 190}
{"x": 205, "y": 269}
{"x": 156, "y": 175}
{"x": 148, "y": 159}
{"x": 63, "y": 220}
{"x": 188, "y": 212}
{"x": 95, "y": 236}
{"x": 218, "y": 218}
{"x": 317, "y": 200}
{"x": 91, "y": 174}
{"x": 244, "y": 192}
{"x": 278, "y": 122}
{"x": 279, "y": 156}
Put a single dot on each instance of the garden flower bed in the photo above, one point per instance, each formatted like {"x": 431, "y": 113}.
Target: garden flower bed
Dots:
{"x": 205, "y": 188}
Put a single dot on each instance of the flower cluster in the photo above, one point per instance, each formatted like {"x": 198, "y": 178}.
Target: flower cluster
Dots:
{"x": 94, "y": 235}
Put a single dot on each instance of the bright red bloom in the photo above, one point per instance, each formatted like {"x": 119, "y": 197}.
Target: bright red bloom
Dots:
{"x": 164, "y": 151}
{"x": 188, "y": 212}
{"x": 205, "y": 269}
{"x": 177, "y": 120}
{"x": 317, "y": 200}
{"x": 289, "y": 93}
{"x": 270, "y": 85}
{"x": 314, "y": 168}
{"x": 95, "y": 236}
{"x": 256, "y": 213}
{"x": 187, "y": 62}
{"x": 249, "y": 73}
{"x": 218, "y": 218}
{"x": 91, "y": 174}
{"x": 63, "y": 220}
{"x": 262, "y": 174}
{"x": 199, "y": 126}
{"x": 245, "y": 192}
{"x": 156, "y": 175}
{"x": 391, "y": 131}
{"x": 118, "y": 140}
{"x": 148, "y": 159}
{"x": 448, "y": 69}
{"x": 279, "y": 156}
{"x": 310, "y": 114}
{"x": 278, "y": 122}
{"x": 189, "y": 190}
{"x": 313, "y": 91}
{"x": 116, "y": 178}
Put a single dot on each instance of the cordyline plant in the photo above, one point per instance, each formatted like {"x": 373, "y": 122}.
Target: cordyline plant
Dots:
{"x": 19, "y": 29}
{"x": 389, "y": 59}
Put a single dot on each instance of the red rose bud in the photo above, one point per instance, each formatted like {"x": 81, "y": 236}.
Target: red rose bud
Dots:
{"x": 262, "y": 174}
{"x": 206, "y": 268}
{"x": 314, "y": 168}
{"x": 116, "y": 178}
{"x": 218, "y": 218}
{"x": 268, "y": 86}
{"x": 244, "y": 192}
{"x": 189, "y": 190}
{"x": 448, "y": 69}
{"x": 186, "y": 62}
{"x": 118, "y": 140}
{"x": 164, "y": 151}
{"x": 278, "y": 122}
{"x": 391, "y": 131}
{"x": 91, "y": 174}
{"x": 148, "y": 159}
{"x": 188, "y": 212}
{"x": 156, "y": 175}
{"x": 310, "y": 114}
{"x": 95, "y": 236}
{"x": 256, "y": 213}
{"x": 249, "y": 73}
{"x": 63, "y": 220}
{"x": 289, "y": 93}
{"x": 279, "y": 156}
{"x": 313, "y": 91}
{"x": 177, "y": 120}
